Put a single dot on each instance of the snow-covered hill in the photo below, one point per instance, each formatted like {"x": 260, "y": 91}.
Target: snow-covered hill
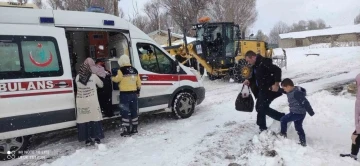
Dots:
{"x": 219, "y": 135}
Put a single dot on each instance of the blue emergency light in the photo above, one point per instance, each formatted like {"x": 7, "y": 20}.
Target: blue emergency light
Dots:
{"x": 109, "y": 22}
{"x": 47, "y": 20}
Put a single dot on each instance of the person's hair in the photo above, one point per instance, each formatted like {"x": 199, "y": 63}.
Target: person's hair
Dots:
{"x": 287, "y": 82}
{"x": 250, "y": 54}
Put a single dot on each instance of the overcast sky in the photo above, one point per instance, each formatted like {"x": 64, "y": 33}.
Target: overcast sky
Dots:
{"x": 334, "y": 12}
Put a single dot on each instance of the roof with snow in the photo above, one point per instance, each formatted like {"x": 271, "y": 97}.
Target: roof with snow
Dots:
{"x": 178, "y": 36}
{"x": 322, "y": 32}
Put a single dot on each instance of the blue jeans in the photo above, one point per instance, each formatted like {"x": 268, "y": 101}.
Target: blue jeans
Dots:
{"x": 298, "y": 120}
{"x": 129, "y": 108}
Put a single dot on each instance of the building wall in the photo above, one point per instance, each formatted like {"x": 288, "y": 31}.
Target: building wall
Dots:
{"x": 290, "y": 43}
{"x": 287, "y": 43}
{"x": 347, "y": 38}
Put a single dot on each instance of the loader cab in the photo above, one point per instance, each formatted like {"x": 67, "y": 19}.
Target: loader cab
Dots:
{"x": 217, "y": 41}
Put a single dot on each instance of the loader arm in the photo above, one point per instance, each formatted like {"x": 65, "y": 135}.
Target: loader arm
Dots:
{"x": 180, "y": 50}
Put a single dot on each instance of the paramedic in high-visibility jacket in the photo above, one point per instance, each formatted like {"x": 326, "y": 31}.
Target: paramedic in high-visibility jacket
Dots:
{"x": 129, "y": 85}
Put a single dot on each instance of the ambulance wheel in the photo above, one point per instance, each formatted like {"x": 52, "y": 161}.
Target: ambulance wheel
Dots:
{"x": 14, "y": 147}
{"x": 183, "y": 105}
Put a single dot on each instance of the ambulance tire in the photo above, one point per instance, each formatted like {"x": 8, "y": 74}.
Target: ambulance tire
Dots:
{"x": 23, "y": 142}
{"x": 183, "y": 105}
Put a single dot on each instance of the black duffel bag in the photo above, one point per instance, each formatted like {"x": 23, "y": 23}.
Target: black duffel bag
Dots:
{"x": 244, "y": 101}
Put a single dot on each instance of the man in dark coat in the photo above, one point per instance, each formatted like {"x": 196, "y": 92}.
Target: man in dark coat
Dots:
{"x": 265, "y": 79}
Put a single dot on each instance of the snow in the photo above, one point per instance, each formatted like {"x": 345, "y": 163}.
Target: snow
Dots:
{"x": 323, "y": 32}
{"x": 216, "y": 130}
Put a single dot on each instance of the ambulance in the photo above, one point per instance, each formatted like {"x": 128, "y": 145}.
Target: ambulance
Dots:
{"x": 41, "y": 51}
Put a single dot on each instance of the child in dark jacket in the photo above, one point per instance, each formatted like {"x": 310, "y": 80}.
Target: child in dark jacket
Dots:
{"x": 299, "y": 105}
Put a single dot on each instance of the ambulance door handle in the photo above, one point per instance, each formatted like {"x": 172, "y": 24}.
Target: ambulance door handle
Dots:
{"x": 62, "y": 84}
{"x": 144, "y": 77}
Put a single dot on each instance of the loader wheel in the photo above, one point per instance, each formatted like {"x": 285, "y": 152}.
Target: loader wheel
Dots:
{"x": 242, "y": 71}
{"x": 184, "y": 105}
{"x": 13, "y": 148}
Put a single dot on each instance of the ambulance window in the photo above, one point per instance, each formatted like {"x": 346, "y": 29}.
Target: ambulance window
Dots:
{"x": 29, "y": 57}
{"x": 148, "y": 58}
{"x": 154, "y": 60}
{"x": 39, "y": 56}
{"x": 10, "y": 57}
{"x": 165, "y": 63}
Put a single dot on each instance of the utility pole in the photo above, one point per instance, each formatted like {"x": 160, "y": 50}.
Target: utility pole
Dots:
{"x": 116, "y": 7}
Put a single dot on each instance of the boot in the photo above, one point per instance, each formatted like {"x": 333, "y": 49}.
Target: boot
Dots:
{"x": 126, "y": 132}
{"x": 134, "y": 129}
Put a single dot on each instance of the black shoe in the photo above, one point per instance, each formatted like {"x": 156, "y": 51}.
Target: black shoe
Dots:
{"x": 126, "y": 132}
{"x": 282, "y": 135}
{"x": 302, "y": 144}
{"x": 261, "y": 130}
{"x": 348, "y": 155}
{"x": 134, "y": 130}
{"x": 88, "y": 142}
{"x": 97, "y": 140}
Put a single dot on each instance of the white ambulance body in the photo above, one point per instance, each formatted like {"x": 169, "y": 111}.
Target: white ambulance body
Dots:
{"x": 36, "y": 69}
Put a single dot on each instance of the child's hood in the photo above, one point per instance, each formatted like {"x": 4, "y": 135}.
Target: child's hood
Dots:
{"x": 300, "y": 89}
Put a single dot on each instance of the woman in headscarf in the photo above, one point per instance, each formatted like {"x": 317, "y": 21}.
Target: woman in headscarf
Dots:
{"x": 355, "y": 135}
{"x": 105, "y": 93}
{"x": 88, "y": 109}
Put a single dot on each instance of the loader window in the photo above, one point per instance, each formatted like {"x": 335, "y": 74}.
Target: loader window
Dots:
{"x": 154, "y": 60}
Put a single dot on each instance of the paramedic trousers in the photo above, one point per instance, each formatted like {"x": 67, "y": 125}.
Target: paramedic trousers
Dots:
{"x": 129, "y": 108}
{"x": 355, "y": 147}
{"x": 298, "y": 120}
{"x": 263, "y": 108}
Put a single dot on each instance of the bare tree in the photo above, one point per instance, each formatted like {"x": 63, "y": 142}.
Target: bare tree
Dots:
{"x": 82, "y": 5}
{"x": 312, "y": 25}
{"x": 38, "y": 3}
{"x": 22, "y": 1}
{"x": 357, "y": 19}
{"x": 121, "y": 13}
{"x": 321, "y": 24}
{"x": 141, "y": 22}
{"x": 138, "y": 20}
{"x": 279, "y": 28}
{"x": 185, "y": 12}
{"x": 152, "y": 10}
{"x": 300, "y": 26}
{"x": 241, "y": 12}
{"x": 261, "y": 36}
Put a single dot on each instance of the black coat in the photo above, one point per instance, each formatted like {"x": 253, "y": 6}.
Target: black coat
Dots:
{"x": 265, "y": 74}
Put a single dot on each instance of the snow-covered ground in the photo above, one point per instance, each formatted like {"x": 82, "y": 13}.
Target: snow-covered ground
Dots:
{"x": 217, "y": 134}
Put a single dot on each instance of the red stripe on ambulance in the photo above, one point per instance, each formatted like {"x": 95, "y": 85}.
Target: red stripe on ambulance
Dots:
{"x": 169, "y": 77}
{"x": 34, "y": 85}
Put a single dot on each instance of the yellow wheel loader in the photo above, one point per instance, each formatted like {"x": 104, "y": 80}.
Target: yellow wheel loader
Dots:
{"x": 220, "y": 50}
